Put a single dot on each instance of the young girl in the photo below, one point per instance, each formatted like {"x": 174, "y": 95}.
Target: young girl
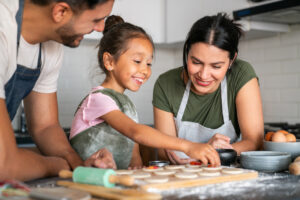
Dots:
{"x": 107, "y": 118}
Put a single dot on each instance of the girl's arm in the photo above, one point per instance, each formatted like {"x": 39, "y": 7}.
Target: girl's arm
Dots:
{"x": 151, "y": 137}
{"x": 250, "y": 117}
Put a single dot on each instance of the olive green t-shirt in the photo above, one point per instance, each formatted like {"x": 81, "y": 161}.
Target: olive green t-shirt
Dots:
{"x": 203, "y": 109}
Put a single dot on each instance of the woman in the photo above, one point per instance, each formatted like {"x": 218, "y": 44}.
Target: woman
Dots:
{"x": 214, "y": 98}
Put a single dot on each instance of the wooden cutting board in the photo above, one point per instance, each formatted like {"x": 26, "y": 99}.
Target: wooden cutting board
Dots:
{"x": 59, "y": 193}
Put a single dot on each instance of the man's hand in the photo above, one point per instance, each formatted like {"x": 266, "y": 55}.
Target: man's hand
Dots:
{"x": 101, "y": 159}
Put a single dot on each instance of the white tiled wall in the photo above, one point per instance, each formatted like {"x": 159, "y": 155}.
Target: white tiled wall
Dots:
{"x": 276, "y": 61}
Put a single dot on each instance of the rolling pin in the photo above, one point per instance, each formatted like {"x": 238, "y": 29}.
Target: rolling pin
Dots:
{"x": 96, "y": 176}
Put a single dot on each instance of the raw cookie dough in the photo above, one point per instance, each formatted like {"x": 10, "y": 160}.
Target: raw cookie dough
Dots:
{"x": 212, "y": 169}
{"x": 165, "y": 172}
{"x": 147, "y": 169}
{"x": 174, "y": 166}
{"x": 216, "y": 173}
{"x": 159, "y": 179}
{"x": 191, "y": 169}
{"x": 141, "y": 175}
{"x": 124, "y": 172}
{"x": 232, "y": 171}
{"x": 186, "y": 175}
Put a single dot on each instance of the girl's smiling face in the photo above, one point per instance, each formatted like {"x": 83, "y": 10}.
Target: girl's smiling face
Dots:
{"x": 207, "y": 66}
{"x": 133, "y": 67}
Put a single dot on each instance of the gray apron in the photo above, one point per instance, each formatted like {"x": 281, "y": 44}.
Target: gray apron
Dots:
{"x": 195, "y": 132}
{"x": 103, "y": 135}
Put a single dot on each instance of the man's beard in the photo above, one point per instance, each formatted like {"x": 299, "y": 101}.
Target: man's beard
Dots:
{"x": 66, "y": 34}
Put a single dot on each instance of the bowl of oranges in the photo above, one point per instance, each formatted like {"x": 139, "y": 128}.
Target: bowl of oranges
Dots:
{"x": 282, "y": 141}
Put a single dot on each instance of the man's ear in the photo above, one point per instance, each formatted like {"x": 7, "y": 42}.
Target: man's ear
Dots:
{"x": 108, "y": 61}
{"x": 61, "y": 11}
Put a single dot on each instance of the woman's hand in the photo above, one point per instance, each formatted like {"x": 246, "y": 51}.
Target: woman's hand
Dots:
{"x": 101, "y": 159}
{"x": 219, "y": 141}
{"x": 174, "y": 159}
{"x": 204, "y": 152}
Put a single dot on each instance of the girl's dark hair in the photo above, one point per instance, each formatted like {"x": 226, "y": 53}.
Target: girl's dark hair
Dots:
{"x": 76, "y": 5}
{"x": 116, "y": 36}
{"x": 217, "y": 30}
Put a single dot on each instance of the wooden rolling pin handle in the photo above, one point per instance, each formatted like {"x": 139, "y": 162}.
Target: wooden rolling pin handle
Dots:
{"x": 123, "y": 180}
{"x": 65, "y": 174}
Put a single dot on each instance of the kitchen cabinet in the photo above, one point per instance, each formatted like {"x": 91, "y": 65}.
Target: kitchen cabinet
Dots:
{"x": 148, "y": 14}
{"x": 180, "y": 15}
{"x": 168, "y": 21}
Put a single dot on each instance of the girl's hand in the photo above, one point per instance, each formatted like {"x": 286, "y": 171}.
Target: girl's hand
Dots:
{"x": 204, "y": 152}
{"x": 101, "y": 159}
{"x": 219, "y": 141}
{"x": 174, "y": 159}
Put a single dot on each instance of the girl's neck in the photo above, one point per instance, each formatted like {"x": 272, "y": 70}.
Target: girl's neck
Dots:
{"x": 110, "y": 84}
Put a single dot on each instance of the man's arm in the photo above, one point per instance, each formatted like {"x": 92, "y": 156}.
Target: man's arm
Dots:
{"x": 42, "y": 121}
{"x": 16, "y": 163}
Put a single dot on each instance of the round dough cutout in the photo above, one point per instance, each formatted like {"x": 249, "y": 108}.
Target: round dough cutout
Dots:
{"x": 152, "y": 169}
{"x": 175, "y": 167}
{"x": 212, "y": 169}
{"x": 191, "y": 169}
{"x": 124, "y": 172}
{"x": 160, "y": 179}
{"x": 141, "y": 175}
{"x": 186, "y": 175}
{"x": 216, "y": 173}
{"x": 165, "y": 172}
{"x": 232, "y": 171}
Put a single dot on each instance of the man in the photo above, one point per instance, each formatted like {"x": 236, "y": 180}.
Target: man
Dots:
{"x": 30, "y": 59}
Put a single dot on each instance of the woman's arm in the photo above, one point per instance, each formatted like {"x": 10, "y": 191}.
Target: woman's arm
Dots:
{"x": 164, "y": 122}
{"x": 250, "y": 117}
{"x": 151, "y": 137}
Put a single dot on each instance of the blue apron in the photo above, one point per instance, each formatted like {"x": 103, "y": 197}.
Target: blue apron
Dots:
{"x": 23, "y": 79}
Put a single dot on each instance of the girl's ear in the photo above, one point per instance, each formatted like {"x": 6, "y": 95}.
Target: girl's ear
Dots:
{"x": 108, "y": 61}
{"x": 61, "y": 11}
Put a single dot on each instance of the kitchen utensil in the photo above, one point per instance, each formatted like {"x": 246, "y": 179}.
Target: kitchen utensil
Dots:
{"x": 58, "y": 193}
{"x": 97, "y": 176}
{"x": 290, "y": 147}
{"x": 266, "y": 161}
{"x": 227, "y": 156}
{"x": 159, "y": 163}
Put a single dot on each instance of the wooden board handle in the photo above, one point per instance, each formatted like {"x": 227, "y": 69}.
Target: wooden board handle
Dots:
{"x": 111, "y": 193}
{"x": 122, "y": 180}
{"x": 65, "y": 174}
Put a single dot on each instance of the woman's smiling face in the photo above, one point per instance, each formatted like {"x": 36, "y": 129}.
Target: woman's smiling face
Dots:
{"x": 207, "y": 66}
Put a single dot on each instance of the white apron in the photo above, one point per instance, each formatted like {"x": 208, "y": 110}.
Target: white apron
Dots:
{"x": 195, "y": 132}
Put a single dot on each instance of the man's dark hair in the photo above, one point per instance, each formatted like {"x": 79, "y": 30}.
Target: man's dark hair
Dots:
{"x": 76, "y": 5}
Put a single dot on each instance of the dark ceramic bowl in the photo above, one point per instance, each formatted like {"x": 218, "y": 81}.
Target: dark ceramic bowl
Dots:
{"x": 227, "y": 156}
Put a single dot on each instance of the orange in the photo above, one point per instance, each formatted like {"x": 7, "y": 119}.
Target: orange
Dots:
{"x": 284, "y": 132}
{"x": 290, "y": 137}
{"x": 268, "y": 136}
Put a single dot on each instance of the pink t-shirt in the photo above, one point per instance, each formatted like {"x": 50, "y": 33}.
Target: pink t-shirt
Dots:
{"x": 90, "y": 111}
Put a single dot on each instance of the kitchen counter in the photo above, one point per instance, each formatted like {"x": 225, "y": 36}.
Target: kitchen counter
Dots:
{"x": 281, "y": 186}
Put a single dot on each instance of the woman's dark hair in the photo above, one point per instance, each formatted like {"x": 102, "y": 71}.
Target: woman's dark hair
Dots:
{"x": 116, "y": 36}
{"x": 76, "y": 5}
{"x": 217, "y": 30}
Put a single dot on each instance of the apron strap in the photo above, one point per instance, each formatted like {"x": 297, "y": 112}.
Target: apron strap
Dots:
{"x": 184, "y": 100}
{"x": 224, "y": 100}
{"x": 19, "y": 17}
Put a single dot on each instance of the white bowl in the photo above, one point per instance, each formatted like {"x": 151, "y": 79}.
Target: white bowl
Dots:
{"x": 266, "y": 161}
{"x": 290, "y": 147}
